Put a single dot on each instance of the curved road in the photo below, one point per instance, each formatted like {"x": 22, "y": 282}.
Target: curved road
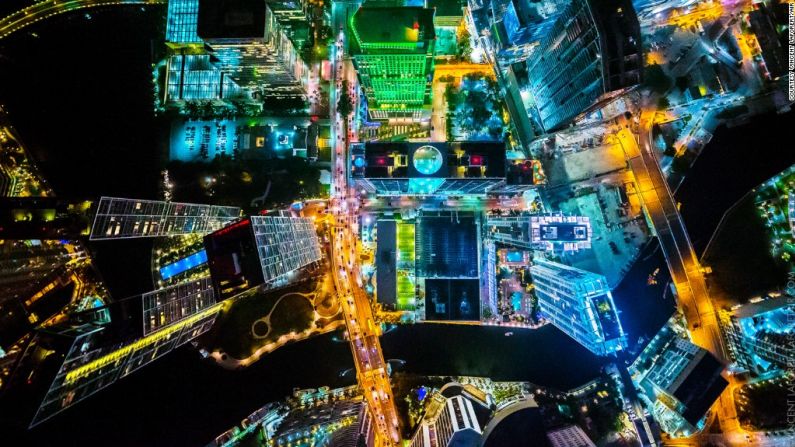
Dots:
{"x": 16, "y": 21}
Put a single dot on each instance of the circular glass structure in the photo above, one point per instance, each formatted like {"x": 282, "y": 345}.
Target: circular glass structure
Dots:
{"x": 427, "y": 160}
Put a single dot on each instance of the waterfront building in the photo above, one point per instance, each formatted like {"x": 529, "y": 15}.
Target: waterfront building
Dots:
{"x": 454, "y": 417}
{"x": 182, "y": 19}
{"x": 764, "y": 26}
{"x": 580, "y": 304}
{"x": 394, "y": 60}
{"x": 130, "y": 218}
{"x": 333, "y": 417}
{"x": 429, "y": 169}
{"x": 677, "y": 380}
{"x": 547, "y": 232}
{"x": 260, "y": 250}
{"x": 757, "y": 334}
{"x": 194, "y": 77}
{"x": 96, "y": 347}
{"x": 590, "y": 53}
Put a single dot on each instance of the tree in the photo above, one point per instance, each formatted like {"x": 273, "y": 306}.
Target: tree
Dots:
{"x": 344, "y": 104}
{"x": 663, "y": 103}
{"x": 464, "y": 47}
{"x": 656, "y": 79}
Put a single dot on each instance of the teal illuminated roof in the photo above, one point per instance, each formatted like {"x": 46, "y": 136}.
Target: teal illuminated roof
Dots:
{"x": 408, "y": 29}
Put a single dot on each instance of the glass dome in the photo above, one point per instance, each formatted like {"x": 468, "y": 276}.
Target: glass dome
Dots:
{"x": 427, "y": 160}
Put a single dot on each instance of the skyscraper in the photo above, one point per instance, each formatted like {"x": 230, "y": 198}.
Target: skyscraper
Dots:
{"x": 260, "y": 250}
{"x": 183, "y": 16}
{"x": 677, "y": 380}
{"x": 592, "y": 49}
{"x": 392, "y": 49}
{"x": 579, "y": 303}
{"x": 454, "y": 417}
{"x": 757, "y": 334}
{"x": 549, "y": 232}
{"x": 94, "y": 348}
{"x": 234, "y": 49}
{"x": 128, "y": 218}
{"x": 248, "y": 43}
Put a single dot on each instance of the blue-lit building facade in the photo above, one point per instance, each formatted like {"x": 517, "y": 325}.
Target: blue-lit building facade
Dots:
{"x": 677, "y": 381}
{"x": 580, "y": 304}
{"x": 181, "y": 23}
{"x": 252, "y": 56}
{"x": 593, "y": 49}
{"x": 758, "y": 334}
{"x": 558, "y": 59}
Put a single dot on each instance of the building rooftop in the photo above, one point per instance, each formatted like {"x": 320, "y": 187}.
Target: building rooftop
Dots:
{"x": 701, "y": 388}
{"x": 399, "y": 28}
{"x": 231, "y": 19}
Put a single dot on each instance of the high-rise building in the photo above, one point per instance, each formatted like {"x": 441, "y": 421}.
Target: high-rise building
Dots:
{"x": 248, "y": 43}
{"x": 757, "y": 334}
{"x": 24, "y": 264}
{"x": 426, "y": 169}
{"x": 454, "y": 417}
{"x": 593, "y": 49}
{"x": 580, "y": 304}
{"x": 260, "y": 250}
{"x": 235, "y": 49}
{"x": 512, "y": 29}
{"x": 194, "y": 76}
{"x": 181, "y": 23}
{"x": 569, "y": 436}
{"x": 549, "y": 232}
{"x": 96, "y": 347}
{"x": 394, "y": 60}
{"x": 677, "y": 380}
{"x": 129, "y": 218}
{"x": 331, "y": 417}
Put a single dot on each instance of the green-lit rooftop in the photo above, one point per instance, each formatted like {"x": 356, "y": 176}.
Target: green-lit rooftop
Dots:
{"x": 407, "y": 29}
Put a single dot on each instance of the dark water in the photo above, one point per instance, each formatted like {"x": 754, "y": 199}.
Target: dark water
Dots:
{"x": 545, "y": 356}
{"x": 182, "y": 400}
{"x": 735, "y": 161}
{"x": 81, "y": 96}
{"x": 644, "y": 308}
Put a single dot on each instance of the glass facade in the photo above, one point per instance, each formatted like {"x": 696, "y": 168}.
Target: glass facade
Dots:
{"x": 92, "y": 363}
{"x": 167, "y": 306}
{"x": 285, "y": 244}
{"x": 757, "y": 334}
{"x": 677, "y": 381}
{"x": 128, "y": 218}
{"x": 269, "y": 63}
{"x": 183, "y": 16}
{"x": 194, "y": 77}
{"x": 579, "y": 303}
{"x": 567, "y": 75}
